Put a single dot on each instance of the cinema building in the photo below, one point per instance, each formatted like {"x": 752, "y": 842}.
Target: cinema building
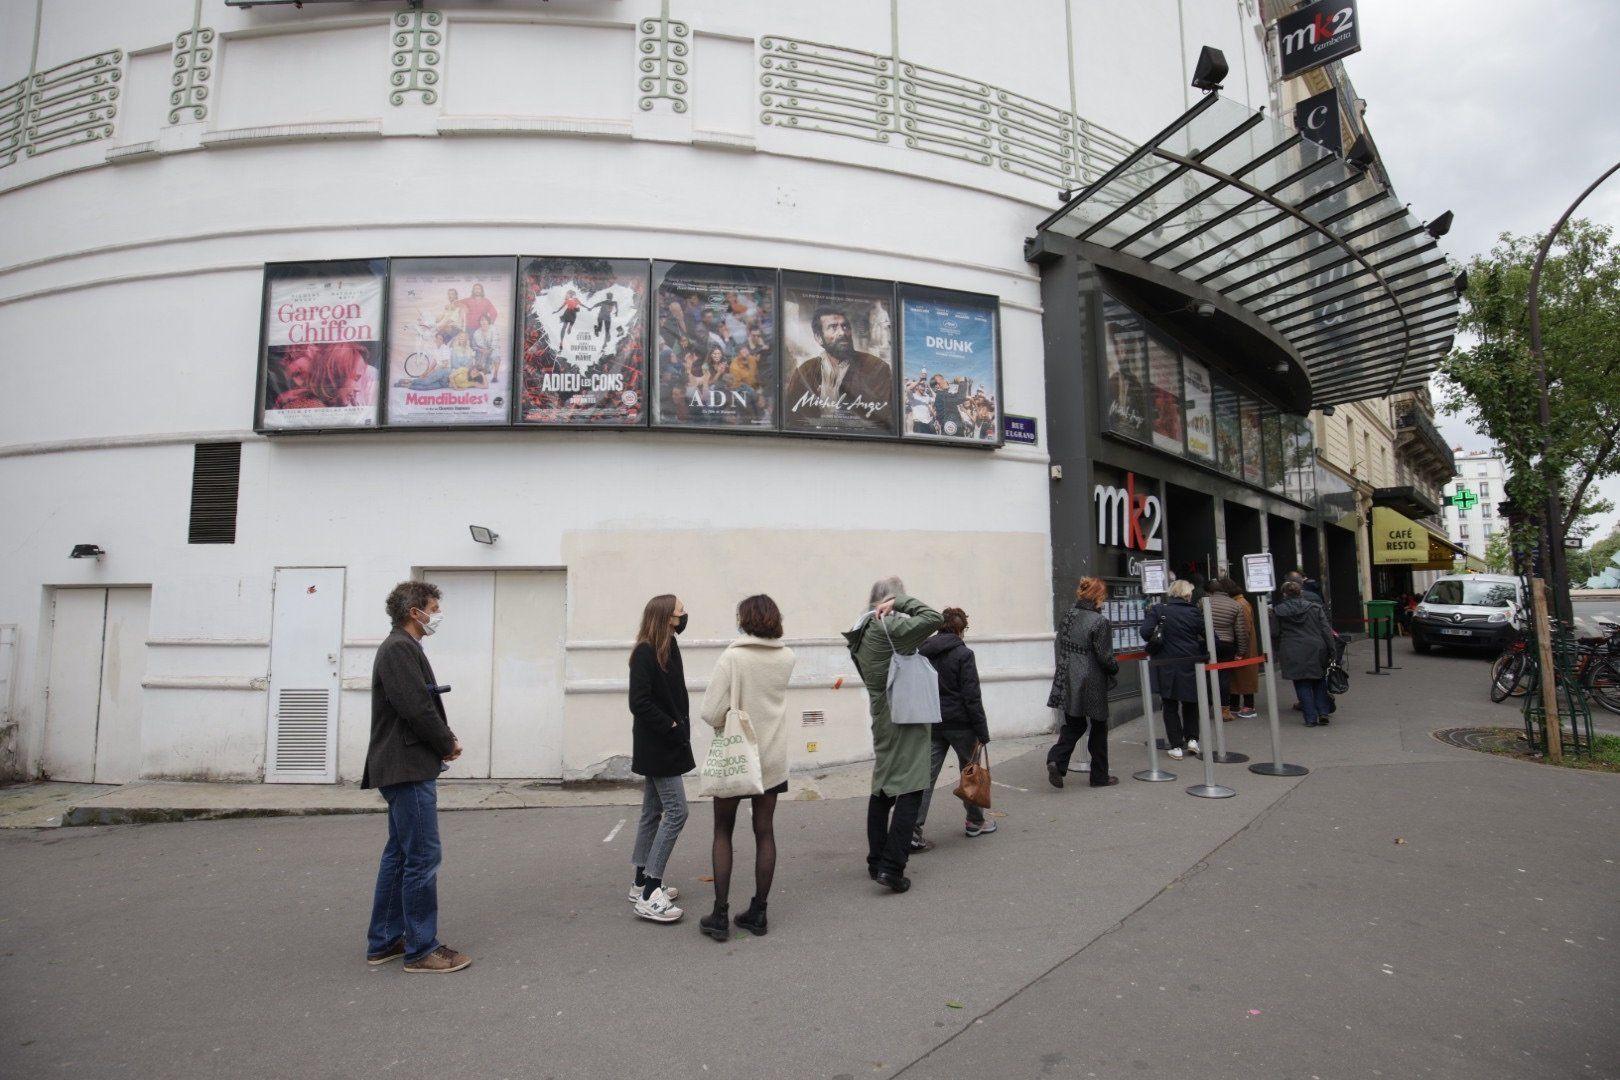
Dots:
{"x": 564, "y": 305}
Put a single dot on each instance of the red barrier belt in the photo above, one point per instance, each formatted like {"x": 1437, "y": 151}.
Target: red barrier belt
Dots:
{"x": 1224, "y": 664}
{"x": 1131, "y": 656}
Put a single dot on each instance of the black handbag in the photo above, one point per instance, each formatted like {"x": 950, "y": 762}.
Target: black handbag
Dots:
{"x": 1338, "y": 679}
{"x": 1153, "y": 643}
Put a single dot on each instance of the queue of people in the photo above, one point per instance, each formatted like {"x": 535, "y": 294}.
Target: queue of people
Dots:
{"x": 916, "y": 722}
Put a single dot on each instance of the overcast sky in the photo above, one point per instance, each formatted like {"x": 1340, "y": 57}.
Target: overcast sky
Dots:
{"x": 1501, "y": 111}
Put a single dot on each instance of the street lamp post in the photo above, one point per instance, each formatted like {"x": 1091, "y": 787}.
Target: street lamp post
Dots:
{"x": 1554, "y": 512}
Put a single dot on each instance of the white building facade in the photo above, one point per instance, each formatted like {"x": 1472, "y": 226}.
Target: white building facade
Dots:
{"x": 155, "y": 158}
{"x": 1482, "y": 473}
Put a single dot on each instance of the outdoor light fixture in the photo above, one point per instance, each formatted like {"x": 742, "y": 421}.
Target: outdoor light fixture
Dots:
{"x": 1361, "y": 154}
{"x": 483, "y": 535}
{"x": 86, "y": 551}
{"x": 1211, "y": 69}
{"x": 1280, "y": 367}
{"x": 1327, "y": 410}
{"x": 1440, "y": 225}
{"x": 1204, "y": 309}
{"x": 1461, "y": 282}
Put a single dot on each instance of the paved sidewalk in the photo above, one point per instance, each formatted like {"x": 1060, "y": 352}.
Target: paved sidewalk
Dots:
{"x": 1125, "y": 932}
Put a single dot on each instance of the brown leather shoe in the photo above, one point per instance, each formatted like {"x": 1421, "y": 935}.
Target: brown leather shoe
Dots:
{"x": 390, "y": 952}
{"x": 440, "y": 961}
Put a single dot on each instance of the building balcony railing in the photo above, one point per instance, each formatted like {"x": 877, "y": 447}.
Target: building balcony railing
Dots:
{"x": 1416, "y": 436}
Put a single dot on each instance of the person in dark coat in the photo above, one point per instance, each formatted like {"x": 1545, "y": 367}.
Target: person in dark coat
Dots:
{"x": 1085, "y": 669}
{"x": 411, "y": 743}
{"x": 661, "y": 752}
{"x": 1182, "y": 628}
{"x": 962, "y": 725}
{"x": 1304, "y": 644}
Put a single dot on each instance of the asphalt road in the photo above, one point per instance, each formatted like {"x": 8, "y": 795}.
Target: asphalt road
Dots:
{"x": 1126, "y": 932}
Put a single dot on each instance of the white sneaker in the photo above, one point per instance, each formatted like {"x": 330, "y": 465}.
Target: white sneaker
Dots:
{"x": 669, "y": 890}
{"x": 657, "y": 908}
{"x": 1192, "y": 746}
{"x": 1176, "y": 753}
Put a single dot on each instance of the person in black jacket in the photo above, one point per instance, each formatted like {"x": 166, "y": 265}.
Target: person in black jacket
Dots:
{"x": 1182, "y": 628}
{"x": 962, "y": 725}
{"x": 411, "y": 742}
{"x": 661, "y": 741}
{"x": 1085, "y": 669}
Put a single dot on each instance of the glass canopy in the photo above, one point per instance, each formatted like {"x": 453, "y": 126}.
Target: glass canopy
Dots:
{"x": 1229, "y": 199}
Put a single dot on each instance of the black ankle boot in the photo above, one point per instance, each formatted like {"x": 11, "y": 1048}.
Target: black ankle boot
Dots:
{"x": 753, "y": 920}
{"x": 718, "y": 924}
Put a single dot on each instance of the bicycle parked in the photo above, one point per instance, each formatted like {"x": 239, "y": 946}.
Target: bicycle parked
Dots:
{"x": 1597, "y": 668}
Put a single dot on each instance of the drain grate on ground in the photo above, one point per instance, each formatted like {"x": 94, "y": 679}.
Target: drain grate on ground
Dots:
{"x": 1492, "y": 740}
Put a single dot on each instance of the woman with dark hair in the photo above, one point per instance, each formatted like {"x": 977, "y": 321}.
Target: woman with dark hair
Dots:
{"x": 751, "y": 675}
{"x": 661, "y": 752}
{"x": 962, "y": 725}
{"x": 1085, "y": 670}
{"x": 329, "y": 376}
{"x": 1245, "y": 680}
{"x": 1232, "y": 635}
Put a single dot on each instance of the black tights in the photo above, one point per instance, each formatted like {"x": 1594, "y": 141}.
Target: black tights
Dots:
{"x": 725, "y": 820}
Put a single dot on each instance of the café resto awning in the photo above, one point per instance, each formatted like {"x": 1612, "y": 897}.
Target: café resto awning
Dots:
{"x": 1397, "y": 540}
{"x": 1232, "y": 206}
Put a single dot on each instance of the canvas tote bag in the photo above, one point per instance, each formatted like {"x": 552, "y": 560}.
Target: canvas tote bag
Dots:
{"x": 732, "y": 768}
{"x": 913, "y": 687}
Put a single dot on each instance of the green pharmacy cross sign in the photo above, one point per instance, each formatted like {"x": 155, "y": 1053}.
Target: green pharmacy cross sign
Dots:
{"x": 1464, "y": 499}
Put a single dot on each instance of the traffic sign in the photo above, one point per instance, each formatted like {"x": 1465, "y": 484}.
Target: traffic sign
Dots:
{"x": 1464, "y": 499}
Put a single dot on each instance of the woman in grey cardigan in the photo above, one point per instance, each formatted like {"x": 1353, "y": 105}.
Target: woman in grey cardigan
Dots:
{"x": 1085, "y": 670}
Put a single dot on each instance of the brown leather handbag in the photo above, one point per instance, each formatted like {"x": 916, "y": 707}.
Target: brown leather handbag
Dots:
{"x": 974, "y": 787}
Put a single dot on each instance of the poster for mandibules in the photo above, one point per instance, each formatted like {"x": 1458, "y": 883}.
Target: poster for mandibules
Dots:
{"x": 716, "y": 361}
{"x": 322, "y": 344}
{"x": 584, "y": 342}
{"x": 838, "y": 341}
{"x": 450, "y": 341}
{"x": 950, "y": 366}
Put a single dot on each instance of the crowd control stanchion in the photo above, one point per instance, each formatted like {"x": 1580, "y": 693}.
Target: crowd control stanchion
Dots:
{"x": 1211, "y": 673}
{"x": 1152, "y": 774}
{"x": 1389, "y": 645}
{"x": 1276, "y": 766}
{"x": 1209, "y": 789}
{"x": 1372, "y": 636}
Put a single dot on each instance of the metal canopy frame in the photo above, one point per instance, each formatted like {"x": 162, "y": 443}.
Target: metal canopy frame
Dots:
{"x": 1233, "y": 204}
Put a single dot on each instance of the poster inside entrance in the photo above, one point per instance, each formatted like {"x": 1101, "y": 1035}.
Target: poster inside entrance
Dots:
{"x": 1198, "y": 400}
{"x": 1125, "y": 372}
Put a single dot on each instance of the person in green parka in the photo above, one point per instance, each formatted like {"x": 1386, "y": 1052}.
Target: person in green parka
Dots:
{"x": 900, "y": 771}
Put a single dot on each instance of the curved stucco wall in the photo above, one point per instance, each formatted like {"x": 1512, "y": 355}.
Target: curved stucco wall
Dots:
{"x": 130, "y": 291}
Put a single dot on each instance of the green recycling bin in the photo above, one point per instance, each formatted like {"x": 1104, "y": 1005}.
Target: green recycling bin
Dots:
{"x": 1381, "y": 618}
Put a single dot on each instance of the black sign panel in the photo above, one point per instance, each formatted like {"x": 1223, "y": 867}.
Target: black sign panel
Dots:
{"x": 1316, "y": 34}
{"x": 1317, "y": 118}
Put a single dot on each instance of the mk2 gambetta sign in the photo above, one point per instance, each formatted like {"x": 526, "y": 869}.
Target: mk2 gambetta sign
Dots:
{"x": 1317, "y": 34}
{"x": 1126, "y": 519}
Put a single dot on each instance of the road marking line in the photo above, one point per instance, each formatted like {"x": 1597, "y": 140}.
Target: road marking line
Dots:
{"x": 998, "y": 783}
{"x": 608, "y": 839}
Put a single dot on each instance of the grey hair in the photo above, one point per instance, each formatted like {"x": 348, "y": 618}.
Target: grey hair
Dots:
{"x": 883, "y": 589}
{"x": 1181, "y": 589}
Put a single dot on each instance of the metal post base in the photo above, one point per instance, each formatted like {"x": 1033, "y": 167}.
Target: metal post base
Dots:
{"x": 1377, "y": 673}
{"x": 1153, "y": 776}
{"x": 1270, "y": 768}
{"x": 1231, "y": 757}
{"x": 1211, "y": 791}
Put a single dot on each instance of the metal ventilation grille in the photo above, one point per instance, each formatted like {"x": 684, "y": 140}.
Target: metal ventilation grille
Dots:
{"x": 215, "y": 474}
{"x": 301, "y": 731}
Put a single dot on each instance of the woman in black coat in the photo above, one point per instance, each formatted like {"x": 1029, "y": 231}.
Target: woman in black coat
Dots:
{"x": 1181, "y": 628}
{"x": 1305, "y": 647}
{"x": 1085, "y": 670}
{"x": 962, "y": 726}
{"x": 661, "y": 741}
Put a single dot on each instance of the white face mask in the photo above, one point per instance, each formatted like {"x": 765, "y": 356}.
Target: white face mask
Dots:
{"x": 432, "y": 624}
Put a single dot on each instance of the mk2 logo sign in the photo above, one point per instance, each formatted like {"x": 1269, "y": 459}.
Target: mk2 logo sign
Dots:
{"x": 1316, "y": 34}
{"x": 1317, "y": 118}
{"x": 1126, "y": 519}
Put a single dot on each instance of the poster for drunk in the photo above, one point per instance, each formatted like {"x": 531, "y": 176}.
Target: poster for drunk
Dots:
{"x": 838, "y": 341}
{"x": 716, "y": 346}
{"x": 949, "y": 366}
{"x": 1125, "y": 372}
{"x": 450, "y": 341}
{"x": 322, "y": 344}
{"x": 584, "y": 342}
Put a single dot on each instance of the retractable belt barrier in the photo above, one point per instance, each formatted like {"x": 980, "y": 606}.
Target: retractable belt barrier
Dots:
{"x": 1144, "y": 663}
{"x": 1388, "y": 623}
{"x": 1276, "y": 766}
{"x": 1222, "y": 755}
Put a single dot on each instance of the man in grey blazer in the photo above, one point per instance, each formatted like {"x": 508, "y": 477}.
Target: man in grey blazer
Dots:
{"x": 411, "y": 742}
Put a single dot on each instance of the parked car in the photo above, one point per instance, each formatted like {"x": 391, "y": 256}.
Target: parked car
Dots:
{"x": 1468, "y": 611}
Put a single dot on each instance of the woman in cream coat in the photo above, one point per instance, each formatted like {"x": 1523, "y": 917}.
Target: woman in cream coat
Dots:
{"x": 758, "y": 666}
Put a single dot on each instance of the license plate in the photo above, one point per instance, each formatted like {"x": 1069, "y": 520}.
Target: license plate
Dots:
{"x": 1458, "y": 633}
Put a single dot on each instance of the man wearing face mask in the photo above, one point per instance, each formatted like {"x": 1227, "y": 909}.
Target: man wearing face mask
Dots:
{"x": 411, "y": 742}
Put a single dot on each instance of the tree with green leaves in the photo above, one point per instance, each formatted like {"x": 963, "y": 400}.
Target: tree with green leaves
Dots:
{"x": 1493, "y": 381}
{"x": 1498, "y": 555}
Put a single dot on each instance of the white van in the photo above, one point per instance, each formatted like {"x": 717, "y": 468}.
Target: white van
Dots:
{"x": 1470, "y": 610}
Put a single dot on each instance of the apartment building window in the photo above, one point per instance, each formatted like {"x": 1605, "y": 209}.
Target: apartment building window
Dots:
{"x": 1489, "y": 530}
{"x": 1484, "y": 491}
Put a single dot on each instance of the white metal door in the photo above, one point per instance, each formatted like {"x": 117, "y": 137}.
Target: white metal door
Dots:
{"x": 527, "y": 698}
{"x": 306, "y": 652}
{"x": 73, "y": 687}
{"x": 123, "y": 667}
{"x": 462, "y": 655}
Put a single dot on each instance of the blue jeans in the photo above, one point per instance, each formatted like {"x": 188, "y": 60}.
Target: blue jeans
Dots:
{"x": 663, "y": 815}
{"x": 407, "y": 898}
{"x": 1313, "y": 699}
